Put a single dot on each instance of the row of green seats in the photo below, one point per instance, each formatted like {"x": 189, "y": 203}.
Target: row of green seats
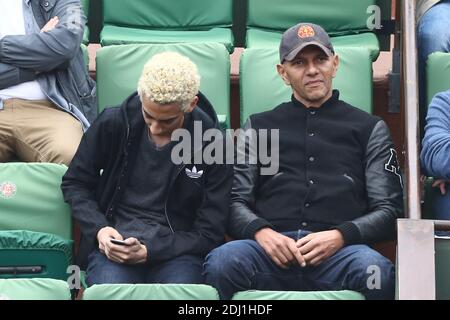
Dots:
{"x": 351, "y": 23}
{"x": 51, "y": 289}
{"x": 119, "y": 68}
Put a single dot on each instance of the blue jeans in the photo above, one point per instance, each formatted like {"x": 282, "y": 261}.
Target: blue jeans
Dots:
{"x": 182, "y": 269}
{"x": 433, "y": 34}
{"x": 243, "y": 265}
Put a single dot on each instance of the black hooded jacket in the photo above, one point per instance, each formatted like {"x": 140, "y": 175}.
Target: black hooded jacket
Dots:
{"x": 196, "y": 209}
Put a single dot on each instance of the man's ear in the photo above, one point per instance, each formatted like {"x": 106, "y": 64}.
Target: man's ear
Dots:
{"x": 283, "y": 75}
{"x": 193, "y": 104}
{"x": 335, "y": 65}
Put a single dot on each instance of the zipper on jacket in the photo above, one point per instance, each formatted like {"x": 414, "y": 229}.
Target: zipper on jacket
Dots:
{"x": 167, "y": 196}
{"x": 109, "y": 209}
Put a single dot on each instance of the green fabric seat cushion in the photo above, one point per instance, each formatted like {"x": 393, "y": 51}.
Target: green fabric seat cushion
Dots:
{"x": 85, "y": 6}
{"x": 85, "y": 51}
{"x": 119, "y": 69}
{"x": 20, "y": 248}
{"x": 85, "y": 40}
{"x": 113, "y": 35}
{"x": 31, "y": 198}
{"x": 337, "y": 17}
{"x": 438, "y": 74}
{"x": 298, "y": 295}
{"x": 442, "y": 260}
{"x": 181, "y": 15}
{"x": 270, "y": 39}
{"x": 150, "y": 292}
{"x": 34, "y": 289}
{"x": 161, "y": 21}
{"x": 263, "y": 89}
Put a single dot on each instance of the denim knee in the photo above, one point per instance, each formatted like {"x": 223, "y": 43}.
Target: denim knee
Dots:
{"x": 373, "y": 275}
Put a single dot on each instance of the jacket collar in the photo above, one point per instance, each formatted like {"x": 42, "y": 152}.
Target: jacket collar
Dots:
{"x": 334, "y": 98}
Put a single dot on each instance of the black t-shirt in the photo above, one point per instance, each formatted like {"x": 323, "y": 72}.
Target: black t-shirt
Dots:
{"x": 145, "y": 194}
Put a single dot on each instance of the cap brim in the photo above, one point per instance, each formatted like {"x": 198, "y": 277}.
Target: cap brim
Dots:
{"x": 302, "y": 46}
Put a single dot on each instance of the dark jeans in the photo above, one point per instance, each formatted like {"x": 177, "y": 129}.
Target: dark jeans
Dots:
{"x": 182, "y": 269}
{"x": 243, "y": 265}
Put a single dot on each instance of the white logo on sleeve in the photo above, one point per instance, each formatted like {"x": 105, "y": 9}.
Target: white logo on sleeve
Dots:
{"x": 194, "y": 174}
{"x": 392, "y": 165}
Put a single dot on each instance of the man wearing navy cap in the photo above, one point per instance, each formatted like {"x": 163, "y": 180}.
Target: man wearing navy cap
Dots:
{"x": 338, "y": 189}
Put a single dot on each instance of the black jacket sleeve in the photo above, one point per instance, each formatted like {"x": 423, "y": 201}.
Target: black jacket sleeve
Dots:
{"x": 244, "y": 222}
{"x": 384, "y": 189}
{"x": 46, "y": 51}
{"x": 83, "y": 175}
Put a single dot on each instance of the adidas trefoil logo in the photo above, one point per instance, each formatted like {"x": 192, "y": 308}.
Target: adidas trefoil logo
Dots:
{"x": 194, "y": 174}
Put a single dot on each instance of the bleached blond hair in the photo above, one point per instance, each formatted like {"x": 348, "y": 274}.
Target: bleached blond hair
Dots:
{"x": 168, "y": 78}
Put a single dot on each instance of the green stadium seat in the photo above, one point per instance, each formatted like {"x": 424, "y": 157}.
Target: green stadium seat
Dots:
{"x": 35, "y": 222}
{"x": 161, "y": 21}
{"x": 119, "y": 68}
{"x": 442, "y": 267}
{"x": 85, "y": 51}
{"x": 85, "y": 6}
{"x": 438, "y": 74}
{"x": 34, "y": 289}
{"x": 263, "y": 89}
{"x": 298, "y": 295}
{"x": 150, "y": 292}
{"x": 344, "y": 20}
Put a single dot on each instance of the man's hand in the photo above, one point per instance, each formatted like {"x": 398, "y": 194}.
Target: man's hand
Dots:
{"x": 281, "y": 249}
{"x": 441, "y": 183}
{"x": 131, "y": 253}
{"x": 50, "y": 25}
{"x": 316, "y": 247}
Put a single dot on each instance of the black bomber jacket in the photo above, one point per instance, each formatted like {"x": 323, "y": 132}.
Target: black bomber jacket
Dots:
{"x": 337, "y": 170}
{"x": 196, "y": 209}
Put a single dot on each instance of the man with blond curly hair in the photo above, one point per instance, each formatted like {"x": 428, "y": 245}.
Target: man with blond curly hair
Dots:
{"x": 143, "y": 218}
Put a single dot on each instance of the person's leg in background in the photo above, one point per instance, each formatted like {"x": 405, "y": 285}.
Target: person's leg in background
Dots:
{"x": 7, "y": 140}
{"x": 433, "y": 34}
{"x": 44, "y": 133}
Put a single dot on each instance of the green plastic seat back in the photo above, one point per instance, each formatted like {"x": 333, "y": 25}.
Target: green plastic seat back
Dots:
{"x": 263, "y": 89}
{"x": 346, "y": 19}
{"x": 119, "y": 69}
{"x": 31, "y": 198}
{"x": 163, "y": 14}
{"x": 85, "y": 6}
{"x": 34, "y": 289}
{"x": 337, "y": 17}
{"x": 150, "y": 292}
{"x": 298, "y": 295}
{"x": 442, "y": 267}
{"x": 438, "y": 74}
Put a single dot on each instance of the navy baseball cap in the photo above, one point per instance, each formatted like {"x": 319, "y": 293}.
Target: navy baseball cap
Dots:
{"x": 296, "y": 38}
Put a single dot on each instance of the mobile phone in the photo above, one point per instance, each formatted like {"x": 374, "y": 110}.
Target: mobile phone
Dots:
{"x": 118, "y": 242}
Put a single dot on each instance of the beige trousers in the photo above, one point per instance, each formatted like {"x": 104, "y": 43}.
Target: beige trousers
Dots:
{"x": 37, "y": 131}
